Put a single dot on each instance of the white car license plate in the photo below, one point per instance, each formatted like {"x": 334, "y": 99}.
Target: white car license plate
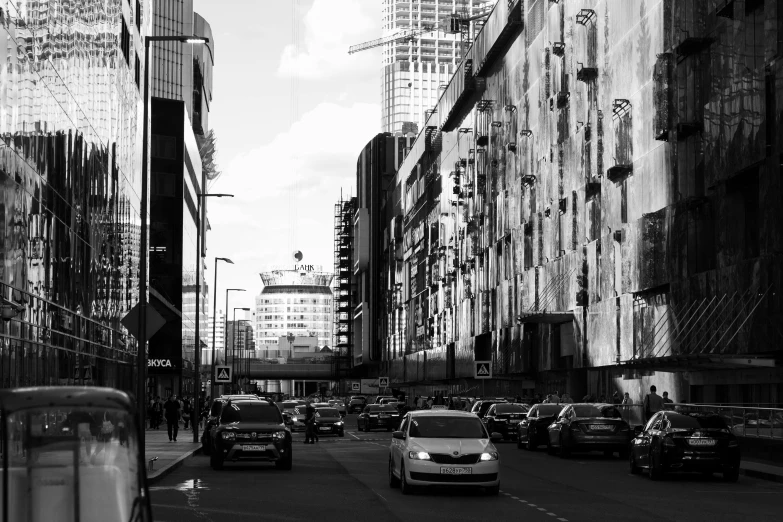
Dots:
{"x": 383, "y": 416}
{"x": 600, "y": 427}
{"x": 253, "y": 447}
{"x": 324, "y": 429}
{"x": 702, "y": 442}
{"x": 456, "y": 471}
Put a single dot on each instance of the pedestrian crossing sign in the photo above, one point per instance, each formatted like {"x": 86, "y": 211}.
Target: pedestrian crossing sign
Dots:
{"x": 483, "y": 370}
{"x": 383, "y": 382}
{"x": 222, "y": 374}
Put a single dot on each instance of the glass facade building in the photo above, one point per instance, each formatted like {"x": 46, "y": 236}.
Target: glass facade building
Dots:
{"x": 70, "y": 159}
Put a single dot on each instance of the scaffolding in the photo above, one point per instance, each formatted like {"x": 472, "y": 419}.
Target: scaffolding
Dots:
{"x": 344, "y": 286}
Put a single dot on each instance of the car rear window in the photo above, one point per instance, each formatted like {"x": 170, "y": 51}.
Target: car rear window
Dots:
{"x": 585, "y": 410}
{"x": 250, "y": 412}
{"x": 380, "y": 407}
{"x": 444, "y": 427}
{"x": 510, "y": 408}
{"x": 610, "y": 412}
{"x": 695, "y": 422}
{"x": 326, "y": 412}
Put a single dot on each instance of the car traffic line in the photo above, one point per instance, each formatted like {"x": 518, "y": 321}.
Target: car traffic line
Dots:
{"x": 525, "y": 502}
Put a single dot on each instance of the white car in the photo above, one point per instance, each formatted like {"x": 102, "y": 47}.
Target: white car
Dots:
{"x": 443, "y": 447}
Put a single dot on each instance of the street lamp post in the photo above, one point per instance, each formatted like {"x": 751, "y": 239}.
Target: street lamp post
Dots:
{"x": 225, "y": 331}
{"x": 234, "y": 366}
{"x": 141, "y": 385}
{"x": 197, "y": 372}
{"x": 214, "y": 322}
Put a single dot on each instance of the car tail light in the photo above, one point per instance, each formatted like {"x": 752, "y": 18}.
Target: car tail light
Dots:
{"x": 228, "y": 435}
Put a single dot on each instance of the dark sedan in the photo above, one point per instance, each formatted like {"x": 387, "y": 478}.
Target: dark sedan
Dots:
{"x": 685, "y": 442}
{"x": 251, "y": 431}
{"x": 532, "y": 430}
{"x": 357, "y": 404}
{"x": 378, "y": 416}
{"x": 481, "y": 408}
{"x": 329, "y": 422}
{"x": 589, "y": 427}
{"x": 504, "y": 417}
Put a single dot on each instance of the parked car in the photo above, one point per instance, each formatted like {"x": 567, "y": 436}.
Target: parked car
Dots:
{"x": 378, "y": 416}
{"x": 532, "y": 430}
{"x": 481, "y": 407}
{"x": 339, "y": 406}
{"x": 251, "y": 431}
{"x": 443, "y": 448}
{"x": 690, "y": 442}
{"x": 297, "y": 419}
{"x": 589, "y": 427}
{"x": 380, "y": 398}
{"x": 329, "y": 422}
{"x": 504, "y": 417}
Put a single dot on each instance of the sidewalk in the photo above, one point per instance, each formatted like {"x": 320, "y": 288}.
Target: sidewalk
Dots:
{"x": 761, "y": 470}
{"x": 170, "y": 455}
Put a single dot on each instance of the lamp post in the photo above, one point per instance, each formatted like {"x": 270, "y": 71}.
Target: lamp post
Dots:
{"x": 141, "y": 334}
{"x": 214, "y": 322}
{"x": 225, "y": 330}
{"x": 197, "y": 363}
{"x": 234, "y": 367}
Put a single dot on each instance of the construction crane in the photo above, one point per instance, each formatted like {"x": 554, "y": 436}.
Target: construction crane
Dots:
{"x": 457, "y": 24}
{"x": 402, "y": 36}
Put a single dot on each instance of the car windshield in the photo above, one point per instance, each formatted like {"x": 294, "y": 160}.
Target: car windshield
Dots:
{"x": 56, "y": 455}
{"x": 510, "y": 408}
{"x": 587, "y": 410}
{"x": 250, "y": 412}
{"x": 326, "y": 412}
{"x": 546, "y": 410}
{"x": 445, "y": 427}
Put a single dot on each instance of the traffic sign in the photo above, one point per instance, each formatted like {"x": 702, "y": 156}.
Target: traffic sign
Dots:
{"x": 356, "y": 386}
{"x": 222, "y": 374}
{"x": 154, "y": 321}
{"x": 483, "y": 370}
{"x": 383, "y": 382}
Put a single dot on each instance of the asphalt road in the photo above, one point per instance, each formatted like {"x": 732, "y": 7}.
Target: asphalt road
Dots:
{"x": 344, "y": 478}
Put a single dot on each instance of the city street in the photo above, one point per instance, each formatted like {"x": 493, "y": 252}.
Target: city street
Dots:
{"x": 341, "y": 478}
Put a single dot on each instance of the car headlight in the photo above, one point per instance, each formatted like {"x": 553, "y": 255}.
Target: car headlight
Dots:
{"x": 338, "y": 423}
{"x": 419, "y": 455}
{"x": 228, "y": 435}
{"x": 278, "y": 435}
{"x": 373, "y": 416}
{"x": 488, "y": 456}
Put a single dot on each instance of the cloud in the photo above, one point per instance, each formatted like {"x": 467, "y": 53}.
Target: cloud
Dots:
{"x": 302, "y": 168}
{"x": 330, "y": 27}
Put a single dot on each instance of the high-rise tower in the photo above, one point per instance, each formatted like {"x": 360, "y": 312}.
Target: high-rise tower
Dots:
{"x": 413, "y": 71}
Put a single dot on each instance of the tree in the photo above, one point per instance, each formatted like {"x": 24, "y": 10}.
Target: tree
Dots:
{"x": 207, "y": 149}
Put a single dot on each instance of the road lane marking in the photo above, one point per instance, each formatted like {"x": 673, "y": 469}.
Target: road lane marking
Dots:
{"x": 203, "y": 511}
{"x": 352, "y": 435}
{"x": 525, "y": 502}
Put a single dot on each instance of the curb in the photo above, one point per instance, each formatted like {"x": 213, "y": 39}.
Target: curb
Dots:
{"x": 161, "y": 473}
{"x": 763, "y": 475}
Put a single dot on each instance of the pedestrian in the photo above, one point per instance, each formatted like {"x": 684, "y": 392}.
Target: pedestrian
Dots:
{"x": 430, "y": 402}
{"x": 416, "y": 402}
{"x": 555, "y": 397}
{"x": 653, "y": 403}
{"x": 311, "y": 433}
{"x": 172, "y": 412}
{"x": 157, "y": 412}
{"x": 666, "y": 399}
{"x": 186, "y": 412}
{"x": 627, "y": 399}
{"x": 566, "y": 399}
{"x": 616, "y": 398}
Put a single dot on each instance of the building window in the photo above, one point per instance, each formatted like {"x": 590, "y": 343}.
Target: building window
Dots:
{"x": 164, "y": 147}
{"x": 138, "y": 15}
{"x": 137, "y": 71}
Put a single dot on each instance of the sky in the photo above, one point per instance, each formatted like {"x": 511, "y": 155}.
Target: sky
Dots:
{"x": 291, "y": 110}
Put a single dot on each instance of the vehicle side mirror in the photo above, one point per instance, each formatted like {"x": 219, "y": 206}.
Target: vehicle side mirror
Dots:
{"x": 398, "y": 435}
{"x": 637, "y": 430}
{"x": 496, "y": 437}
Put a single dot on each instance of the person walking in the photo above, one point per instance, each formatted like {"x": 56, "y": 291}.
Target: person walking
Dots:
{"x": 187, "y": 411}
{"x": 653, "y": 403}
{"x": 616, "y": 398}
{"x": 666, "y": 399}
{"x": 157, "y": 412}
{"x": 172, "y": 413}
{"x": 311, "y": 434}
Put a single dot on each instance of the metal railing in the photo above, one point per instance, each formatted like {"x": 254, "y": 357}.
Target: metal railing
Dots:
{"x": 744, "y": 420}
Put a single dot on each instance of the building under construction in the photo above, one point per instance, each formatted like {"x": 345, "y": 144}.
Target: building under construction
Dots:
{"x": 595, "y": 204}
{"x": 344, "y": 286}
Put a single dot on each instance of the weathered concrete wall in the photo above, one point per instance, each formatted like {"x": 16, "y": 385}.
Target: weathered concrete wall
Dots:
{"x": 621, "y": 164}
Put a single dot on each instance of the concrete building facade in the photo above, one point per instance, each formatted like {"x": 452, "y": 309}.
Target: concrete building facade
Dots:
{"x": 595, "y": 205}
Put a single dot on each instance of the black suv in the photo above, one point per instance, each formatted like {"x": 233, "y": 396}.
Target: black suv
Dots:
{"x": 214, "y": 417}
{"x": 251, "y": 430}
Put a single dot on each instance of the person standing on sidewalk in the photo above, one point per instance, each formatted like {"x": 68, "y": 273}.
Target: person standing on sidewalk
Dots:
{"x": 172, "y": 412}
{"x": 186, "y": 412}
{"x": 653, "y": 403}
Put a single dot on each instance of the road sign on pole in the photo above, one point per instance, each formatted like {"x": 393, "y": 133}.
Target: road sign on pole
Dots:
{"x": 383, "y": 382}
{"x": 222, "y": 374}
{"x": 154, "y": 321}
{"x": 483, "y": 370}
